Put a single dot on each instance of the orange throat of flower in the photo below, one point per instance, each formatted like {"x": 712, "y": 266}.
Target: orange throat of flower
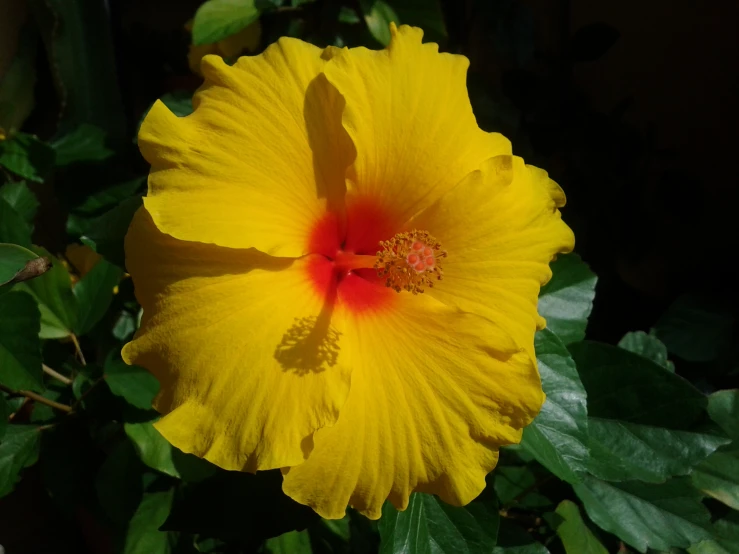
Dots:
{"x": 409, "y": 261}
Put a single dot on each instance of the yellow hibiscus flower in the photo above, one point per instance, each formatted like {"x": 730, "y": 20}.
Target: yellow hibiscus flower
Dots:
{"x": 245, "y": 40}
{"x": 283, "y": 216}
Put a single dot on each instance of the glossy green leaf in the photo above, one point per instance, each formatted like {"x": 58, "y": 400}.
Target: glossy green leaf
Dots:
{"x": 27, "y": 157}
{"x": 13, "y": 228}
{"x": 86, "y": 143}
{"x": 94, "y": 293}
{"x": 157, "y": 453}
{"x": 718, "y": 477}
{"x": 645, "y": 515}
{"x": 13, "y": 258}
{"x": 567, "y": 299}
{"x": 20, "y": 348}
{"x": 558, "y": 437}
{"x": 429, "y": 525}
{"x": 723, "y": 407}
{"x": 294, "y": 542}
{"x": 134, "y": 384}
{"x": 696, "y": 329}
{"x": 56, "y": 301}
{"x": 21, "y": 199}
{"x": 378, "y": 15}
{"x": 19, "y": 448}
{"x": 219, "y": 19}
{"x": 726, "y": 537}
{"x": 575, "y": 535}
{"x": 143, "y": 535}
{"x": 648, "y": 346}
{"x": 644, "y": 422}
{"x": 105, "y": 233}
{"x": 110, "y": 197}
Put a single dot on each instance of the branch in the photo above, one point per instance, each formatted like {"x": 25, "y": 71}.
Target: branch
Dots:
{"x": 38, "y": 398}
{"x": 56, "y": 375}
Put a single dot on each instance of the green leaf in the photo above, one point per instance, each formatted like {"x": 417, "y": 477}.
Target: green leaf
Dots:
{"x": 86, "y": 143}
{"x": 56, "y": 301}
{"x": 143, "y": 535}
{"x": 558, "y": 437}
{"x": 5, "y": 411}
{"x": 118, "y": 483}
{"x": 644, "y": 422}
{"x": 27, "y": 157}
{"x": 105, "y": 233}
{"x": 13, "y": 259}
{"x": 157, "y": 453}
{"x": 718, "y": 477}
{"x": 574, "y": 533}
{"x": 696, "y": 329}
{"x": 429, "y": 525}
{"x": 513, "y": 481}
{"x": 19, "y": 449}
{"x": 94, "y": 293}
{"x": 426, "y": 14}
{"x": 110, "y": 197}
{"x": 21, "y": 199}
{"x": 134, "y": 384}
{"x": 294, "y": 542}
{"x": 18, "y": 81}
{"x": 13, "y": 228}
{"x": 567, "y": 299}
{"x": 723, "y": 407}
{"x": 378, "y": 15}
{"x": 219, "y": 19}
{"x": 645, "y": 515}
{"x": 20, "y": 348}
{"x": 647, "y": 346}
{"x": 726, "y": 537}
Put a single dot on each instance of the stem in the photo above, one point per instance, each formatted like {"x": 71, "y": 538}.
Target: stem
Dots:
{"x": 345, "y": 262}
{"x": 38, "y": 398}
{"x": 56, "y": 375}
{"x": 77, "y": 349}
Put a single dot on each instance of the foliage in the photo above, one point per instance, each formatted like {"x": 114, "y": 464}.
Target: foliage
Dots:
{"x": 633, "y": 449}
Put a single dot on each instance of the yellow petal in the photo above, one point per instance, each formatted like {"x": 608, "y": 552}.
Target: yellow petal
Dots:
{"x": 82, "y": 257}
{"x": 501, "y": 227}
{"x": 249, "y": 361}
{"x": 255, "y": 163}
{"x": 409, "y": 116}
{"x": 434, "y": 393}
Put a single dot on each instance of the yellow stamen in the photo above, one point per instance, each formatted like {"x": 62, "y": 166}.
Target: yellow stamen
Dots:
{"x": 410, "y": 261}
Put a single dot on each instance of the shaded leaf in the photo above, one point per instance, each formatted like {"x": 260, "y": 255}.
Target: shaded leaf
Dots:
{"x": 429, "y": 525}
{"x": 219, "y": 19}
{"x": 18, "y": 81}
{"x": 726, "y": 537}
{"x": 696, "y": 329}
{"x": 574, "y": 533}
{"x": 118, "y": 483}
{"x": 514, "y": 540}
{"x": 645, "y": 515}
{"x": 143, "y": 535}
{"x": 157, "y": 453}
{"x": 13, "y": 228}
{"x": 27, "y": 157}
{"x": 426, "y": 14}
{"x": 53, "y": 294}
{"x": 378, "y": 15}
{"x": 110, "y": 197}
{"x": 294, "y": 542}
{"x": 86, "y": 143}
{"x": 5, "y": 411}
{"x": 718, "y": 477}
{"x": 512, "y": 481}
{"x": 20, "y": 348}
{"x": 723, "y": 407}
{"x": 19, "y": 448}
{"x": 567, "y": 299}
{"x": 94, "y": 293}
{"x": 21, "y": 199}
{"x": 13, "y": 258}
{"x": 105, "y": 233}
{"x": 134, "y": 384}
{"x": 558, "y": 437}
{"x": 648, "y": 346}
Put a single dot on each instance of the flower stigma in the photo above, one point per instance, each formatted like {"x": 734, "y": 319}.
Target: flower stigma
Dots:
{"x": 410, "y": 261}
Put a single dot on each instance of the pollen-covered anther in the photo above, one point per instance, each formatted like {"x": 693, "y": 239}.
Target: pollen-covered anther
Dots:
{"x": 410, "y": 261}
